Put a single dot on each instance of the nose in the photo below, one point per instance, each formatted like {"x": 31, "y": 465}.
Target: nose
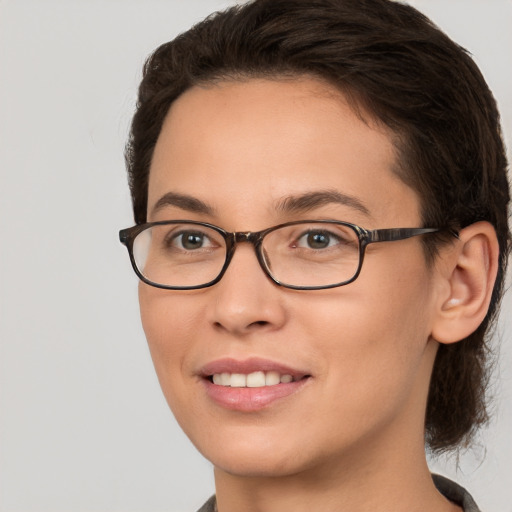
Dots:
{"x": 245, "y": 300}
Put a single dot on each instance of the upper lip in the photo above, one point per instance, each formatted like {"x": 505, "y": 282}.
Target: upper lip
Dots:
{"x": 247, "y": 366}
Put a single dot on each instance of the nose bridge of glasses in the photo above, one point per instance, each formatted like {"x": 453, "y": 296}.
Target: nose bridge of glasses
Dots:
{"x": 247, "y": 236}
{"x": 243, "y": 236}
{"x": 253, "y": 238}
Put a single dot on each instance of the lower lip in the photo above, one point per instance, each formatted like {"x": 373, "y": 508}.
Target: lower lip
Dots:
{"x": 251, "y": 399}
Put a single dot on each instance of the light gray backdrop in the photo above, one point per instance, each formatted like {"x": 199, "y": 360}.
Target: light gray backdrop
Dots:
{"x": 83, "y": 424}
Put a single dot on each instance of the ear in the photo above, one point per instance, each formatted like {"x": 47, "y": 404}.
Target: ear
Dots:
{"x": 467, "y": 272}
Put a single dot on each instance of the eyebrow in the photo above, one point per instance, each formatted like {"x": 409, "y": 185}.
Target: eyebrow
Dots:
{"x": 289, "y": 204}
{"x": 182, "y": 201}
{"x": 312, "y": 200}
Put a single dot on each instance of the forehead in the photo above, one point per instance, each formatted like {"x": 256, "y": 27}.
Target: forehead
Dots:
{"x": 254, "y": 142}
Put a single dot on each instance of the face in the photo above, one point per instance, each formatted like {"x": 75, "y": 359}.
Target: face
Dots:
{"x": 359, "y": 356}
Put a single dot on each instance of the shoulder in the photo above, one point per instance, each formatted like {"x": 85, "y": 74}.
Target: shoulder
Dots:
{"x": 451, "y": 490}
{"x": 209, "y": 506}
{"x": 456, "y": 493}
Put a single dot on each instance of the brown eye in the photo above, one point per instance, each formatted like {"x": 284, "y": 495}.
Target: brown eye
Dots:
{"x": 317, "y": 240}
{"x": 190, "y": 240}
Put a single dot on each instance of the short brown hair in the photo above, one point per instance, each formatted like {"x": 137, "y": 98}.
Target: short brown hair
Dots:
{"x": 396, "y": 66}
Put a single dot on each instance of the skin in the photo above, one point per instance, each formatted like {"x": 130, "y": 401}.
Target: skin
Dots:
{"x": 355, "y": 429}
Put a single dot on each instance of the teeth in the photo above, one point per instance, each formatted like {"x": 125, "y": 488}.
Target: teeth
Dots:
{"x": 256, "y": 380}
{"x": 252, "y": 380}
{"x": 272, "y": 378}
{"x": 238, "y": 380}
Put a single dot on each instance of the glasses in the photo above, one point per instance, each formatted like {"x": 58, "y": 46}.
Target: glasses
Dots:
{"x": 302, "y": 255}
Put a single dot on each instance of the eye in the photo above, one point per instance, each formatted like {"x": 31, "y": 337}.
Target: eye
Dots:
{"x": 190, "y": 240}
{"x": 318, "y": 239}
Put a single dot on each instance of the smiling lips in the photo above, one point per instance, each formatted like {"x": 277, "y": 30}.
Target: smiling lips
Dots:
{"x": 250, "y": 385}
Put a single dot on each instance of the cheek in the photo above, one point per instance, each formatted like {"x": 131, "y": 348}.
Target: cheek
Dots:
{"x": 375, "y": 337}
{"x": 399, "y": 299}
{"x": 168, "y": 325}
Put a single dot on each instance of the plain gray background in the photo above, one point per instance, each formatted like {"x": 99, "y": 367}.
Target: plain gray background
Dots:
{"x": 83, "y": 425}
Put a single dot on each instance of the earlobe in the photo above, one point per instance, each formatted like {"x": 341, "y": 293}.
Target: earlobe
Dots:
{"x": 469, "y": 272}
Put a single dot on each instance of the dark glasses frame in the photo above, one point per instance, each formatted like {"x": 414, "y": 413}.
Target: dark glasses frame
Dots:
{"x": 365, "y": 237}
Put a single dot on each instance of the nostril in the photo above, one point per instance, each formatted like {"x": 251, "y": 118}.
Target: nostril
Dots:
{"x": 259, "y": 323}
{"x": 250, "y": 327}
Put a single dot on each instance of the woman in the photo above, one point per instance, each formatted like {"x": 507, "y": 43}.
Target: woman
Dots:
{"x": 276, "y": 146}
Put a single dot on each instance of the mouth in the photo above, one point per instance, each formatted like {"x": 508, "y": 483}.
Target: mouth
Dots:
{"x": 251, "y": 385}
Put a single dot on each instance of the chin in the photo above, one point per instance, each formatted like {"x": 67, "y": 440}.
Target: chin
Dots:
{"x": 257, "y": 466}
{"x": 251, "y": 454}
